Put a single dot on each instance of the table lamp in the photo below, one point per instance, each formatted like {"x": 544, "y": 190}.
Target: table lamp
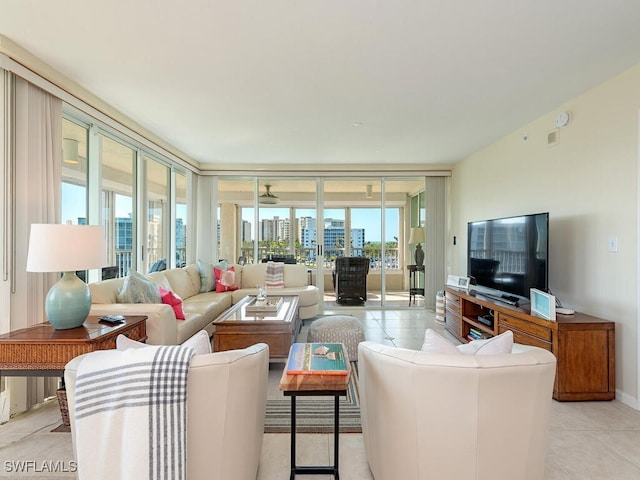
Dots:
{"x": 66, "y": 248}
{"x": 416, "y": 237}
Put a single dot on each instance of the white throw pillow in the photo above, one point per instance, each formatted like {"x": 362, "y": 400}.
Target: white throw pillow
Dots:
{"x": 493, "y": 346}
{"x": 199, "y": 342}
{"x": 138, "y": 289}
{"x": 436, "y": 343}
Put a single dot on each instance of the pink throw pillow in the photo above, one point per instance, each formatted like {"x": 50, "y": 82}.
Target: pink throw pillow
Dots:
{"x": 170, "y": 298}
{"x": 225, "y": 280}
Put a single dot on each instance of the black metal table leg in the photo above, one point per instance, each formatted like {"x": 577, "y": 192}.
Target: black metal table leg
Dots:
{"x": 316, "y": 470}
{"x": 293, "y": 437}
{"x": 336, "y": 433}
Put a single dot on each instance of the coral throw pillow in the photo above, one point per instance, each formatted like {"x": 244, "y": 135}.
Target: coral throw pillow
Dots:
{"x": 174, "y": 300}
{"x": 225, "y": 280}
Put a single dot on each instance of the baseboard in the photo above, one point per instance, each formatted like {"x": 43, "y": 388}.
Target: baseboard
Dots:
{"x": 627, "y": 400}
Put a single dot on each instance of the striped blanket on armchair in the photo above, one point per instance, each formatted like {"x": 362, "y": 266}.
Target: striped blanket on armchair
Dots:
{"x": 130, "y": 413}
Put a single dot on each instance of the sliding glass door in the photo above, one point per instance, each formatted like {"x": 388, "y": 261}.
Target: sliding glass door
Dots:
{"x": 313, "y": 221}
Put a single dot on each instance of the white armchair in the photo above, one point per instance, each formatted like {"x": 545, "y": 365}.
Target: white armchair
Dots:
{"x": 453, "y": 416}
{"x": 226, "y": 402}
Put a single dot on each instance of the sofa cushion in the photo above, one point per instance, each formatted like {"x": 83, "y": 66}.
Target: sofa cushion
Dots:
{"x": 106, "y": 291}
{"x": 225, "y": 279}
{"x": 188, "y": 327}
{"x": 502, "y": 343}
{"x": 252, "y": 275}
{"x": 296, "y": 275}
{"x": 184, "y": 281}
{"x": 138, "y": 289}
{"x": 160, "y": 279}
{"x": 174, "y": 300}
{"x": 200, "y": 342}
{"x": 436, "y": 343}
{"x": 210, "y": 305}
{"x": 207, "y": 280}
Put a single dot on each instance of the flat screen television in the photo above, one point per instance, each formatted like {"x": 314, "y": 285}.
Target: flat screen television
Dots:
{"x": 509, "y": 256}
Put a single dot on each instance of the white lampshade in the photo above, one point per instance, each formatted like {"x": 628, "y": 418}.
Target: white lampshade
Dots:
{"x": 66, "y": 248}
{"x": 416, "y": 235}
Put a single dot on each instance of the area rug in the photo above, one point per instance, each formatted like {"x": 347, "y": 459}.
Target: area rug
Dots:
{"x": 313, "y": 414}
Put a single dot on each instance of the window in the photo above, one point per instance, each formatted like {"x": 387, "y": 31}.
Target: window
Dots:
{"x": 157, "y": 212}
{"x": 100, "y": 173}
{"x": 118, "y": 203}
{"x": 74, "y": 172}
{"x": 181, "y": 219}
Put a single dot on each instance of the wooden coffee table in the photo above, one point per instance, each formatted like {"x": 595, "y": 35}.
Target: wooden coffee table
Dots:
{"x": 236, "y": 328}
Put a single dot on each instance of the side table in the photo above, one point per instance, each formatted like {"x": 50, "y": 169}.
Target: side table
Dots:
{"x": 43, "y": 351}
{"x": 414, "y": 282}
{"x": 315, "y": 385}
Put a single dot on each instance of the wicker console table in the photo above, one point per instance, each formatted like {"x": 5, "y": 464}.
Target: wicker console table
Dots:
{"x": 43, "y": 351}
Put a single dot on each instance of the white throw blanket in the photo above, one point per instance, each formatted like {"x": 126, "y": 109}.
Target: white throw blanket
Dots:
{"x": 274, "y": 275}
{"x": 130, "y": 414}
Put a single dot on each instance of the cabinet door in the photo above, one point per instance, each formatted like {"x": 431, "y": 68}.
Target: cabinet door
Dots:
{"x": 584, "y": 364}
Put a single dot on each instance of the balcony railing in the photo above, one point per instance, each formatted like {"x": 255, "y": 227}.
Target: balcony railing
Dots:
{"x": 307, "y": 256}
{"x": 124, "y": 259}
{"x": 508, "y": 261}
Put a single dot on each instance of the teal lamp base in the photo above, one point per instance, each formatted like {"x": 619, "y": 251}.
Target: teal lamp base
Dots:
{"x": 68, "y": 302}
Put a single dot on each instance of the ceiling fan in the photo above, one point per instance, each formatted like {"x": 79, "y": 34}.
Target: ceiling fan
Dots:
{"x": 268, "y": 198}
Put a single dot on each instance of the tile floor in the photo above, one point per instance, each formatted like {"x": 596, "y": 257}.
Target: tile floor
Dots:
{"x": 588, "y": 440}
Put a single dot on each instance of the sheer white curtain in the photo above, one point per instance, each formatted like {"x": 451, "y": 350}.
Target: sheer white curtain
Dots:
{"x": 34, "y": 197}
{"x": 435, "y": 238}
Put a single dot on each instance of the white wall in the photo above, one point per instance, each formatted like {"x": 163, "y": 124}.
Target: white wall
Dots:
{"x": 588, "y": 184}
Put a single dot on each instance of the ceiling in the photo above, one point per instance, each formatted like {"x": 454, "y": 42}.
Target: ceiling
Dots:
{"x": 350, "y": 82}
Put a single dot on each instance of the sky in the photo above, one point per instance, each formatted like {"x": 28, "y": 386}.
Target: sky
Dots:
{"x": 74, "y": 204}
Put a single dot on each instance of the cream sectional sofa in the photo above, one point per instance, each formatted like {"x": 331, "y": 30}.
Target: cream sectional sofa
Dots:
{"x": 200, "y": 309}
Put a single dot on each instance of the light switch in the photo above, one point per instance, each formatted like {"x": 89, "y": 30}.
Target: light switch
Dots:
{"x": 613, "y": 244}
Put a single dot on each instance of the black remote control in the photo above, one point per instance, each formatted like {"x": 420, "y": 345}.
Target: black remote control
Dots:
{"x": 112, "y": 319}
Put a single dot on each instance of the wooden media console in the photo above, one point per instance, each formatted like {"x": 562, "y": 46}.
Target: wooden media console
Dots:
{"x": 583, "y": 345}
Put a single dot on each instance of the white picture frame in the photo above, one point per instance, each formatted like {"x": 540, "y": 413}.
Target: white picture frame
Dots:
{"x": 543, "y": 305}
{"x": 458, "y": 282}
